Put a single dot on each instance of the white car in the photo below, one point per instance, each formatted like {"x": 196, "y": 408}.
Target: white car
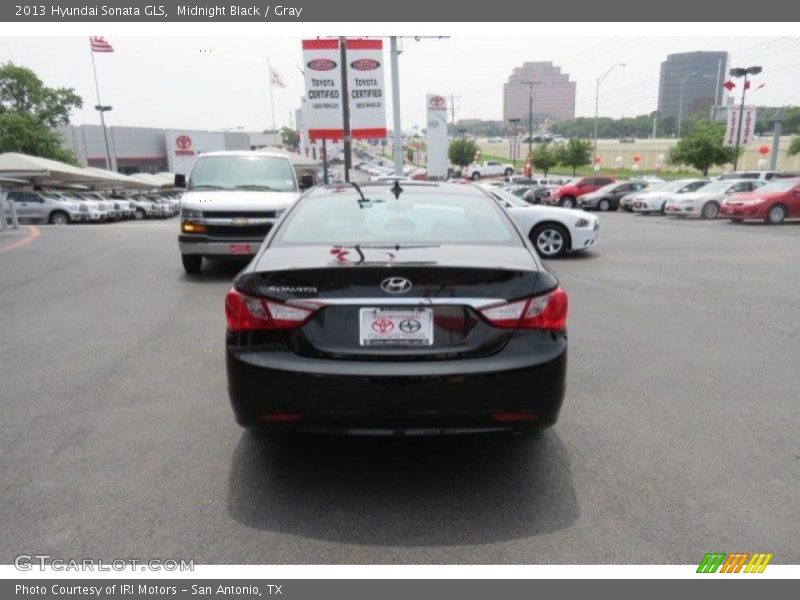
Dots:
{"x": 705, "y": 202}
{"x": 488, "y": 168}
{"x": 654, "y": 200}
{"x": 554, "y": 231}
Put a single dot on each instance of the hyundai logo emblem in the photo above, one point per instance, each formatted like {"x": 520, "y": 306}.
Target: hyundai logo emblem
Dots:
{"x": 395, "y": 285}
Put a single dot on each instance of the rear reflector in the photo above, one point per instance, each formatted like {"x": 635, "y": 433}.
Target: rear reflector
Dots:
{"x": 245, "y": 313}
{"x": 548, "y": 312}
{"x": 280, "y": 417}
{"x": 511, "y": 417}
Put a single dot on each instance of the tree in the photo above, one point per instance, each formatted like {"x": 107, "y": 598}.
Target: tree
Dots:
{"x": 291, "y": 138}
{"x": 794, "y": 147}
{"x": 462, "y": 152}
{"x": 545, "y": 157}
{"x": 30, "y": 111}
{"x": 702, "y": 148}
{"x": 410, "y": 155}
{"x": 574, "y": 154}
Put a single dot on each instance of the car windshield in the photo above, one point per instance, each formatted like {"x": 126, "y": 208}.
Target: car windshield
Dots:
{"x": 715, "y": 186}
{"x": 506, "y": 196}
{"x": 343, "y": 218}
{"x": 781, "y": 185}
{"x": 242, "y": 172}
{"x": 607, "y": 188}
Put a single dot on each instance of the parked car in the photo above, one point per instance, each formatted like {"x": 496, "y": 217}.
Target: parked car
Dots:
{"x": 232, "y": 200}
{"x": 44, "y": 208}
{"x": 762, "y": 175}
{"x": 654, "y": 199}
{"x": 537, "y": 194}
{"x": 705, "y": 202}
{"x": 567, "y": 195}
{"x": 553, "y": 231}
{"x": 488, "y": 168}
{"x": 772, "y": 203}
{"x": 91, "y": 209}
{"x": 353, "y": 301}
{"x": 608, "y": 197}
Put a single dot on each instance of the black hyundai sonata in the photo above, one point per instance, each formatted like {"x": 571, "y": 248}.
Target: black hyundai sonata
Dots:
{"x": 406, "y": 308}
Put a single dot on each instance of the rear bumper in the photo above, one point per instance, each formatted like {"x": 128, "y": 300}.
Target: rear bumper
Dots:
{"x": 205, "y": 246}
{"x": 520, "y": 388}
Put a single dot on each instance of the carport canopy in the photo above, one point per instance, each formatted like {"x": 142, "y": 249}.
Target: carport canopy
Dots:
{"x": 44, "y": 171}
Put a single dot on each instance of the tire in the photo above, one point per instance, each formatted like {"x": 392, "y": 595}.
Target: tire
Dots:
{"x": 551, "y": 240}
{"x": 192, "y": 263}
{"x": 567, "y": 202}
{"x": 663, "y": 209}
{"x": 508, "y": 172}
{"x": 58, "y": 217}
{"x": 710, "y": 210}
{"x": 475, "y": 176}
{"x": 604, "y": 205}
{"x": 775, "y": 215}
{"x": 139, "y": 215}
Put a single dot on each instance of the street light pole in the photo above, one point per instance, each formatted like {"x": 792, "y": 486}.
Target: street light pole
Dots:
{"x": 514, "y": 123}
{"x": 680, "y": 103}
{"x": 530, "y": 85}
{"x": 397, "y": 134}
{"x": 597, "y": 102}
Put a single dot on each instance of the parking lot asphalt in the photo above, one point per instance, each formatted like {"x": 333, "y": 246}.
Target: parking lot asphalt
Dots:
{"x": 679, "y": 434}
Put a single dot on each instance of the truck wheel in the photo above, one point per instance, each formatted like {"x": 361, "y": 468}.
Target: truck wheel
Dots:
{"x": 475, "y": 176}
{"x": 192, "y": 263}
{"x": 59, "y": 218}
{"x": 509, "y": 172}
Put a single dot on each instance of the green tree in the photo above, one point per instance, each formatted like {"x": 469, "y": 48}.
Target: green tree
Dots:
{"x": 702, "y": 148}
{"x": 462, "y": 152}
{"x": 545, "y": 157}
{"x": 30, "y": 111}
{"x": 410, "y": 155}
{"x": 574, "y": 154}
{"x": 794, "y": 147}
{"x": 291, "y": 138}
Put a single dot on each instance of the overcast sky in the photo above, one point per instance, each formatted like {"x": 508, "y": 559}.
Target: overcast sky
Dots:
{"x": 214, "y": 83}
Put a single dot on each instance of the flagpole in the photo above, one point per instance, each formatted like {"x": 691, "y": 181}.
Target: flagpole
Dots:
{"x": 99, "y": 108}
{"x": 271, "y": 98}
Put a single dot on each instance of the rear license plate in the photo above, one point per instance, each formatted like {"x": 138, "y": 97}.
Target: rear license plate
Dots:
{"x": 396, "y": 327}
{"x": 240, "y": 248}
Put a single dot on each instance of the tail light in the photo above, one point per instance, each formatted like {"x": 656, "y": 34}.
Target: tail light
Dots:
{"x": 547, "y": 312}
{"x": 245, "y": 313}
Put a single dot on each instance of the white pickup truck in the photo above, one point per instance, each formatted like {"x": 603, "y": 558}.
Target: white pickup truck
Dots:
{"x": 231, "y": 202}
{"x": 488, "y": 168}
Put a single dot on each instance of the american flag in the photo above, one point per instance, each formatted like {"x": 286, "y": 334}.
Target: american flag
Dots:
{"x": 275, "y": 78}
{"x": 99, "y": 44}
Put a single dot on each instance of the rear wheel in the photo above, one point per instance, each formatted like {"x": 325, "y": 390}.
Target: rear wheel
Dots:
{"x": 604, "y": 205}
{"x": 550, "y": 240}
{"x": 192, "y": 263}
{"x": 476, "y": 176}
{"x": 59, "y": 218}
{"x": 776, "y": 214}
{"x": 509, "y": 172}
{"x": 710, "y": 210}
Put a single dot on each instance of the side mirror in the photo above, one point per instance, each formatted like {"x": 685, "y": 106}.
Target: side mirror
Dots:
{"x": 306, "y": 181}
{"x": 180, "y": 180}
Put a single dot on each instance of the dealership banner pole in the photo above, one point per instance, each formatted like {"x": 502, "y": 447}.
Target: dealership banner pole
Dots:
{"x": 397, "y": 134}
{"x": 271, "y": 97}
{"x": 100, "y": 109}
{"x": 345, "y": 109}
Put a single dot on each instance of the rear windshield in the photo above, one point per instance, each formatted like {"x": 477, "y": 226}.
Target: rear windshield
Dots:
{"x": 781, "y": 185}
{"x": 381, "y": 219}
{"x": 266, "y": 173}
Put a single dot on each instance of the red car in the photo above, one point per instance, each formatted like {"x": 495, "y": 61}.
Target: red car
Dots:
{"x": 567, "y": 194}
{"x": 772, "y": 203}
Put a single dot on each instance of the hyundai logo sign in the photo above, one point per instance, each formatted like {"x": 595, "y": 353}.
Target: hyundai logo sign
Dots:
{"x": 395, "y": 285}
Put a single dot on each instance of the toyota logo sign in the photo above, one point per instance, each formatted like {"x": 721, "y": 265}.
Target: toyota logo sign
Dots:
{"x": 365, "y": 64}
{"x": 321, "y": 64}
{"x": 184, "y": 142}
{"x": 396, "y": 285}
{"x": 437, "y": 101}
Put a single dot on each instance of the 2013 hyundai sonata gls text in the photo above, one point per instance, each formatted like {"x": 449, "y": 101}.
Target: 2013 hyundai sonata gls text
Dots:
{"x": 411, "y": 308}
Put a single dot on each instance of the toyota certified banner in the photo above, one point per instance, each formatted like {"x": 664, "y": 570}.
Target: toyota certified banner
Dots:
{"x": 323, "y": 76}
{"x": 745, "y": 127}
{"x": 436, "y": 135}
{"x": 365, "y": 89}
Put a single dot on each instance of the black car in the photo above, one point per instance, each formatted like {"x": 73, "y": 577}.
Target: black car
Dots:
{"x": 414, "y": 308}
{"x": 608, "y": 197}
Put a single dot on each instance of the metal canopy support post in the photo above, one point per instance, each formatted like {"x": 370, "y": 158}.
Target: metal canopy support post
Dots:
{"x": 345, "y": 110}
